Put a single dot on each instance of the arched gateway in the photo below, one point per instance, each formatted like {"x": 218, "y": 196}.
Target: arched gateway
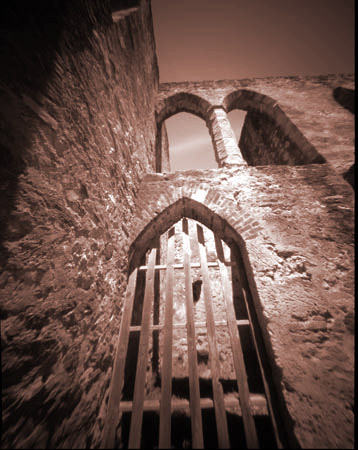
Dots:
{"x": 190, "y": 369}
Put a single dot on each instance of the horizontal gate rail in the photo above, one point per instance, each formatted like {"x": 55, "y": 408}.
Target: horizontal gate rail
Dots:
{"x": 178, "y": 326}
{"x": 181, "y": 266}
{"x": 258, "y": 405}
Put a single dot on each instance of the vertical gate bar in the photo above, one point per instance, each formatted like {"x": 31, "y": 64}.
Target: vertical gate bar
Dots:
{"x": 138, "y": 397}
{"x": 267, "y": 391}
{"x": 220, "y": 413}
{"x": 244, "y": 395}
{"x": 115, "y": 390}
{"x": 166, "y": 394}
{"x": 195, "y": 410}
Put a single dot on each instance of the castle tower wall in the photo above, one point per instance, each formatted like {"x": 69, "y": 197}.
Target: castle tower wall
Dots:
{"x": 77, "y": 134}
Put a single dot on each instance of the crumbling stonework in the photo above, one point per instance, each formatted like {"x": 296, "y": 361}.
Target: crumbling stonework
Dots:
{"x": 302, "y": 107}
{"x": 82, "y": 119}
{"x": 304, "y": 292}
{"x": 77, "y": 134}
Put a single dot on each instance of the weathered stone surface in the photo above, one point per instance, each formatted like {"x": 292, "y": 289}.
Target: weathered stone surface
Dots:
{"x": 349, "y": 175}
{"x": 306, "y": 101}
{"x": 296, "y": 224}
{"x": 345, "y": 97}
{"x": 77, "y": 133}
{"x": 79, "y": 115}
{"x": 262, "y": 142}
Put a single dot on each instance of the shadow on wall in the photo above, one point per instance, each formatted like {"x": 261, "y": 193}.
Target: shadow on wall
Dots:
{"x": 268, "y": 136}
{"x": 22, "y": 29}
{"x": 349, "y": 176}
{"x": 31, "y": 36}
{"x": 346, "y": 98}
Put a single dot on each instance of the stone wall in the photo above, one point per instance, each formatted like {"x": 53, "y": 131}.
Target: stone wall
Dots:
{"x": 79, "y": 115}
{"x": 296, "y": 228}
{"x": 314, "y": 119}
{"x": 162, "y": 149}
{"x": 262, "y": 142}
{"x": 77, "y": 133}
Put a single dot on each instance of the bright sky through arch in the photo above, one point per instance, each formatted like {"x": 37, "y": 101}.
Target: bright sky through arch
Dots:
{"x": 190, "y": 143}
{"x": 235, "y": 39}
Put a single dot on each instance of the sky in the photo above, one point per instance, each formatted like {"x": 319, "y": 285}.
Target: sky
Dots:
{"x": 234, "y": 39}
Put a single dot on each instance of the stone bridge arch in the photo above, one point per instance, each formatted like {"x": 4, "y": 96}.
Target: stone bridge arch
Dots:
{"x": 268, "y": 135}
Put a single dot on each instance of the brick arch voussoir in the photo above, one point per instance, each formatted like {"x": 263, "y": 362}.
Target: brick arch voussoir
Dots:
{"x": 254, "y": 101}
{"x": 248, "y": 100}
{"x": 223, "y": 218}
{"x": 182, "y": 102}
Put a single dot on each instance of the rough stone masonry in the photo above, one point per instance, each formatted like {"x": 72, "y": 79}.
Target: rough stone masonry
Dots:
{"x": 82, "y": 117}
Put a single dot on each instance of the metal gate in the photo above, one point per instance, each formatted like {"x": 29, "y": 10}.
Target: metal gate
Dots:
{"x": 189, "y": 372}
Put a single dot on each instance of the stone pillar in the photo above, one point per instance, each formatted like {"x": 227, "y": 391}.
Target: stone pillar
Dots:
{"x": 162, "y": 149}
{"x": 227, "y": 151}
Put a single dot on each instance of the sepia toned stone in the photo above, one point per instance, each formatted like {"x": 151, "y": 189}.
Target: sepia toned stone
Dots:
{"x": 82, "y": 118}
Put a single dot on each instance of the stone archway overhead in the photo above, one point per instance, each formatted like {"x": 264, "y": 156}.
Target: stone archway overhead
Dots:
{"x": 249, "y": 100}
{"x": 223, "y": 138}
{"x": 183, "y": 102}
{"x": 226, "y": 222}
{"x": 259, "y": 106}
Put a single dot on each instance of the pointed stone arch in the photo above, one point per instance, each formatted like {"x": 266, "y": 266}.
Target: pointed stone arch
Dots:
{"x": 183, "y": 102}
{"x": 168, "y": 107}
{"x": 268, "y": 135}
{"x": 146, "y": 243}
{"x": 225, "y": 223}
{"x": 157, "y": 214}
